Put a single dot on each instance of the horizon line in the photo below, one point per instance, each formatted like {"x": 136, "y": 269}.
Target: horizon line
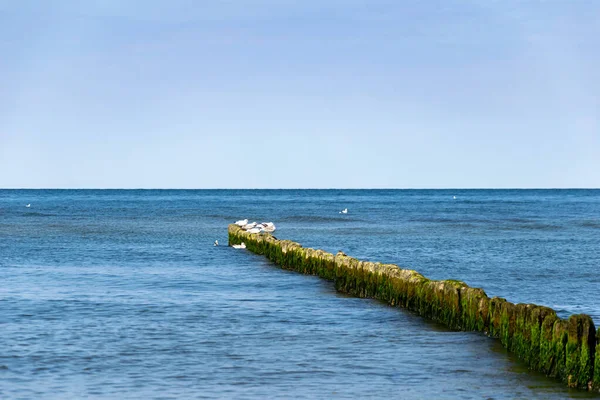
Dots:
{"x": 299, "y": 188}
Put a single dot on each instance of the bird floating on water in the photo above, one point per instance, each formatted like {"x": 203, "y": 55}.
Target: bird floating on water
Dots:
{"x": 454, "y": 197}
{"x": 239, "y": 246}
{"x": 216, "y": 242}
{"x": 28, "y": 205}
{"x": 344, "y": 211}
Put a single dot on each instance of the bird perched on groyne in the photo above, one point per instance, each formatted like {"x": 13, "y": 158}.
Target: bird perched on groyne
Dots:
{"x": 254, "y": 227}
{"x": 249, "y": 226}
{"x": 268, "y": 226}
{"x": 239, "y": 246}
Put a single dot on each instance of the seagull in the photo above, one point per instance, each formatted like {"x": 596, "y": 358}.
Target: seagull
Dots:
{"x": 454, "y": 197}
{"x": 268, "y": 226}
{"x": 344, "y": 211}
{"x": 216, "y": 242}
{"x": 241, "y": 222}
{"x": 239, "y": 246}
{"x": 256, "y": 229}
{"x": 28, "y": 205}
{"x": 249, "y": 226}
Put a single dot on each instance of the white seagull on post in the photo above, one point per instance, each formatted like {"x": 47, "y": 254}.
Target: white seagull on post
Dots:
{"x": 268, "y": 226}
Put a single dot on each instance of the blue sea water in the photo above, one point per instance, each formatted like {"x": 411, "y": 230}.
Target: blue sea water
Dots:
{"x": 121, "y": 294}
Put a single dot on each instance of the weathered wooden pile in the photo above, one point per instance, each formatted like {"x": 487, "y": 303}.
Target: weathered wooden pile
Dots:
{"x": 565, "y": 349}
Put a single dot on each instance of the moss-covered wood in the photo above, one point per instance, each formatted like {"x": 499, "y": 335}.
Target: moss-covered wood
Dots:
{"x": 535, "y": 325}
{"x": 559, "y": 349}
{"x": 495, "y": 314}
{"x": 547, "y": 359}
{"x": 580, "y": 351}
{"x": 564, "y": 349}
{"x": 508, "y": 316}
{"x": 596, "y": 381}
{"x": 474, "y": 305}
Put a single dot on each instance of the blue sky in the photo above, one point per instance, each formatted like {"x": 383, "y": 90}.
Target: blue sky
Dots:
{"x": 299, "y": 94}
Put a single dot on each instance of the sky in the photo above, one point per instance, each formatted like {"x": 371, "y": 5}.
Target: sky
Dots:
{"x": 300, "y": 94}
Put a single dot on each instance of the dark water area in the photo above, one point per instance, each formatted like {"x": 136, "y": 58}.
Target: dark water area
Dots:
{"x": 121, "y": 294}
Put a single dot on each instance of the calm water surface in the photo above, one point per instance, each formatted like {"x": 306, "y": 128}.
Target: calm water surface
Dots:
{"x": 121, "y": 294}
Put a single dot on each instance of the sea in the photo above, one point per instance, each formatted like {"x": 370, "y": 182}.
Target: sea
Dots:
{"x": 122, "y": 294}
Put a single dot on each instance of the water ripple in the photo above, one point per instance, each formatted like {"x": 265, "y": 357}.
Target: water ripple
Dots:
{"x": 121, "y": 294}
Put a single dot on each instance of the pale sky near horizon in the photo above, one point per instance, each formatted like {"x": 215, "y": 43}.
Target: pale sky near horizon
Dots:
{"x": 299, "y": 94}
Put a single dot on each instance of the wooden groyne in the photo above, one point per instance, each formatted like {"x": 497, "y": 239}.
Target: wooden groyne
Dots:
{"x": 565, "y": 349}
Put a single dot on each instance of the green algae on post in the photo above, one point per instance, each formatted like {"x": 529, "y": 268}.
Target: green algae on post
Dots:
{"x": 564, "y": 349}
{"x": 475, "y": 309}
{"x": 596, "y": 381}
{"x": 546, "y": 362}
{"x": 580, "y": 348}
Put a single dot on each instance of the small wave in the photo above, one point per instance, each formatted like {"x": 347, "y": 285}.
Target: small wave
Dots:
{"x": 565, "y": 311}
{"x": 454, "y": 221}
{"x": 365, "y": 232}
{"x": 37, "y": 214}
{"x": 541, "y": 227}
{"x": 316, "y": 218}
{"x": 590, "y": 224}
{"x": 462, "y": 371}
{"x": 227, "y": 217}
{"x": 520, "y": 220}
{"x": 494, "y": 201}
{"x": 437, "y": 220}
{"x": 530, "y": 227}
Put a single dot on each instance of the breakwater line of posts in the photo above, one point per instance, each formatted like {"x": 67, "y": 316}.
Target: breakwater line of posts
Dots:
{"x": 565, "y": 349}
